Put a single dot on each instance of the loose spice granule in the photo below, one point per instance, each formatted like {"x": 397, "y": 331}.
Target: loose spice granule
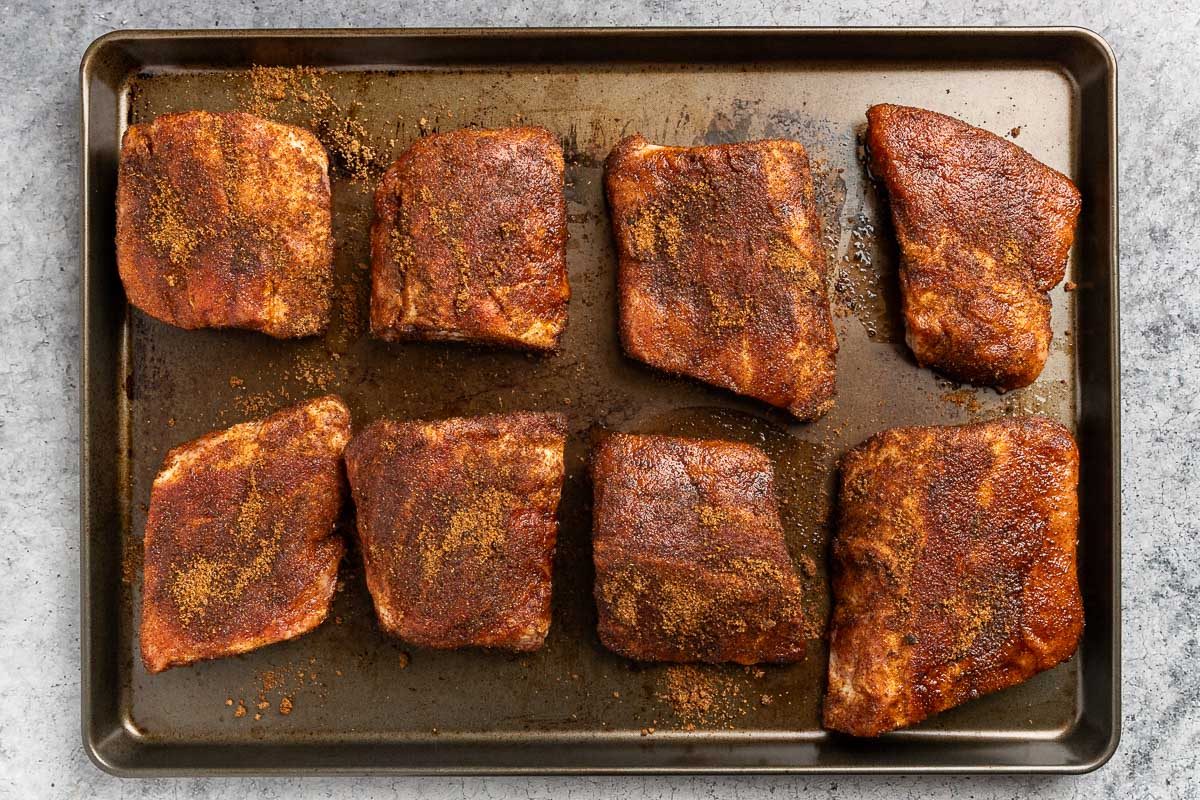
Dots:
{"x": 285, "y": 706}
{"x": 269, "y": 680}
{"x": 256, "y": 405}
{"x": 702, "y": 696}
{"x": 240, "y": 711}
{"x": 300, "y": 92}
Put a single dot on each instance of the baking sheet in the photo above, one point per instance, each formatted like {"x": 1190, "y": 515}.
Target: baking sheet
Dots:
{"x": 360, "y": 701}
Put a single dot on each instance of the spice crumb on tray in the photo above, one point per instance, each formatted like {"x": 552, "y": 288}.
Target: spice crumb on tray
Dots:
{"x": 702, "y": 696}
{"x": 299, "y": 96}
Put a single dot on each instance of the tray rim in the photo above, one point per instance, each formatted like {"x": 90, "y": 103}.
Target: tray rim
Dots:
{"x": 96, "y": 745}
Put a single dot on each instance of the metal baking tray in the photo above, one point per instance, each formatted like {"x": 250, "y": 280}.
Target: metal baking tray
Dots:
{"x": 362, "y": 703}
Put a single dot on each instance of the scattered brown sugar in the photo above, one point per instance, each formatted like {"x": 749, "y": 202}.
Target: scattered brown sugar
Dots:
{"x": 348, "y": 308}
{"x": 269, "y": 680}
{"x": 268, "y": 87}
{"x": 235, "y": 382}
{"x": 228, "y": 701}
{"x": 258, "y": 404}
{"x": 285, "y": 706}
{"x": 299, "y": 95}
{"x": 345, "y": 139}
{"x": 240, "y": 711}
{"x": 314, "y": 371}
{"x": 702, "y": 696}
{"x": 964, "y": 398}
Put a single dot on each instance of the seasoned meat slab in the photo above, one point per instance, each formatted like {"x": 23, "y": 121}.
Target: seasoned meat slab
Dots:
{"x": 223, "y": 221}
{"x": 457, "y": 524}
{"x": 689, "y": 553}
{"x": 469, "y": 240}
{"x": 722, "y": 274}
{"x": 239, "y": 547}
{"x": 954, "y": 568}
{"x": 984, "y": 232}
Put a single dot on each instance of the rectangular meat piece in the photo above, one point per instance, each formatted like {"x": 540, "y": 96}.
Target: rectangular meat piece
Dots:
{"x": 239, "y": 548}
{"x": 456, "y": 519}
{"x": 689, "y": 552}
{"x": 722, "y": 273}
{"x": 954, "y": 568}
{"x": 984, "y": 232}
{"x": 469, "y": 240}
{"x": 223, "y": 221}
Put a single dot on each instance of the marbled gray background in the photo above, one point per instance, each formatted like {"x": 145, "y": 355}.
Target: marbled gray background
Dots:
{"x": 1156, "y": 43}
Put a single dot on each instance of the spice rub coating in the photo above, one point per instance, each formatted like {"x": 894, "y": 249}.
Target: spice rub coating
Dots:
{"x": 223, "y": 221}
{"x": 456, "y": 520}
{"x": 689, "y": 553}
{"x": 469, "y": 240}
{"x": 239, "y": 546}
{"x": 984, "y": 231}
{"x": 722, "y": 275}
{"x": 954, "y": 568}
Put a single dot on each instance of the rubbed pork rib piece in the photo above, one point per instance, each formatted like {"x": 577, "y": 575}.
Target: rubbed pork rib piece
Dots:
{"x": 223, "y": 221}
{"x": 239, "y": 547}
{"x": 984, "y": 232}
{"x": 456, "y": 520}
{"x": 722, "y": 275}
{"x": 689, "y": 552}
{"x": 469, "y": 240}
{"x": 954, "y": 568}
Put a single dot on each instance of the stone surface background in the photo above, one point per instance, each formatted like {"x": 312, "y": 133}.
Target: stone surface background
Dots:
{"x": 40, "y": 47}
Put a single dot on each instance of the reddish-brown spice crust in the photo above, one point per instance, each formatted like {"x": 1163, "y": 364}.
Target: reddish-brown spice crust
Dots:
{"x": 223, "y": 221}
{"x": 954, "y": 568}
{"x": 239, "y": 545}
{"x": 984, "y": 231}
{"x": 722, "y": 275}
{"x": 456, "y": 519}
{"x": 689, "y": 553}
{"x": 469, "y": 240}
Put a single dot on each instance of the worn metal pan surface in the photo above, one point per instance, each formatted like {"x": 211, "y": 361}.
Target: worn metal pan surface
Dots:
{"x": 362, "y": 703}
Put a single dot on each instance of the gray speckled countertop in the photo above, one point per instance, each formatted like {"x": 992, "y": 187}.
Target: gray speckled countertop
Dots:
{"x": 40, "y": 47}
